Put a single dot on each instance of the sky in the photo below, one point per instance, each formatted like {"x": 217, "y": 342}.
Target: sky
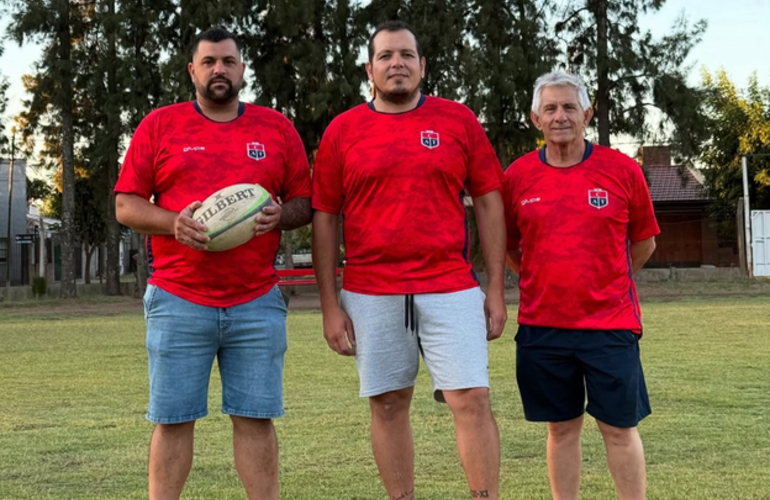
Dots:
{"x": 737, "y": 40}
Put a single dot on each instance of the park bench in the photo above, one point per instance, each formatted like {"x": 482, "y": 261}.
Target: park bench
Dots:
{"x": 295, "y": 277}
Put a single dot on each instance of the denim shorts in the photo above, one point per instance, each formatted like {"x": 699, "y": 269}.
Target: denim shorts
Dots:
{"x": 183, "y": 338}
{"x": 557, "y": 370}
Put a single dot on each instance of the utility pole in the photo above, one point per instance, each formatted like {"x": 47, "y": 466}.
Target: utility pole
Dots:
{"x": 11, "y": 241}
{"x": 747, "y": 213}
{"x": 747, "y": 218}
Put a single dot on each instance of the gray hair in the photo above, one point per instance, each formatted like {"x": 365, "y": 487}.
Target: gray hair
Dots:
{"x": 556, "y": 79}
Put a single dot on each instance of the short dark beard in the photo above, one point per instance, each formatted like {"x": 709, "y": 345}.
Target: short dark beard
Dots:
{"x": 398, "y": 98}
{"x": 231, "y": 92}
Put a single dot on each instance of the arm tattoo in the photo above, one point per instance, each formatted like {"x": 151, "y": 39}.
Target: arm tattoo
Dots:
{"x": 409, "y": 495}
{"x": 295, "y": 213}
{"x": 479, "y": 493}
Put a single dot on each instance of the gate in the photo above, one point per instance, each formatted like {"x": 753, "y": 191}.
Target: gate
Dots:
{"x": 760, "y": 235}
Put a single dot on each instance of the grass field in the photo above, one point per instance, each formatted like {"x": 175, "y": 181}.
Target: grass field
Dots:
{"x": 73, "y": 394}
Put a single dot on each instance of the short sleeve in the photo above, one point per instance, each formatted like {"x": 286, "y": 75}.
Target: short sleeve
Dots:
{"x": 641, "y": 219}
{"x": 509, "y": 200}
{"x": 296, "y": 180}
{"x": 484, "y": 172}
{"x": 327, "y": 173}
{"x": 137, "y": 174}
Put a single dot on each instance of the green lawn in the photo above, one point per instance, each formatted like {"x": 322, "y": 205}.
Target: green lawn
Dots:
{"x": 73, "y": 394}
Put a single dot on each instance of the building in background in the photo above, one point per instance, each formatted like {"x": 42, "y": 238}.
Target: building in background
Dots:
{"x": 689, "y": 235}
{"x": 10, "y": 250}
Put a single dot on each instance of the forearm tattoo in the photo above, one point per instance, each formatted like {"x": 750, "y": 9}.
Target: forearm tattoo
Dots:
{"x": 295, "y": 213}
{"x": 479, "y": 493}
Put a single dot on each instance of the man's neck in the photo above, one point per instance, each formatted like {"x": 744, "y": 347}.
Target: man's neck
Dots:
{"x": 219, "y": 112}
{"x": 565, "y": 155}
{"x": 384, "y": 106}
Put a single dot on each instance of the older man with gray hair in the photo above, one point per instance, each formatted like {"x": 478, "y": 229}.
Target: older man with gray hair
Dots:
{"x": 580, "y": 224}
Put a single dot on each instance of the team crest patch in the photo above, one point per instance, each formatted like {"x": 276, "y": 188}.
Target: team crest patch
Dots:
{"x": 429, "y": 139}
{"x": 256, "y": 151}
{"x": 598, "y": 198}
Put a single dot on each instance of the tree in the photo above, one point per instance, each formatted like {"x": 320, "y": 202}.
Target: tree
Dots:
{"x": 510, "y": 50}
{"x": 738, "y": 125}
{"x": 633, "y": 73}
{"x": 57, "y": 25}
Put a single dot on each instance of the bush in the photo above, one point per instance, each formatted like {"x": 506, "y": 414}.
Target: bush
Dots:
{"x": 39, "y": 286}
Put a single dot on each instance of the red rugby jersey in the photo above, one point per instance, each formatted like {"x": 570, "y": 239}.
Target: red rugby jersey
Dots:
{"x": 399, "y": 181}
{"x": 179, "y": 156}
{"x": 574, "y": 227}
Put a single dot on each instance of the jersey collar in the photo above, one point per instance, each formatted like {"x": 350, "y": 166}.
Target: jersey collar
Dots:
{"x": 241, "y": 110}
{"x": 586, "y": 153}
{"x": 419, "y": 103}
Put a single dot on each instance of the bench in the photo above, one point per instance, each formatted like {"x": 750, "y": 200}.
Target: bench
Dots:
{"x": 294, "y": 277}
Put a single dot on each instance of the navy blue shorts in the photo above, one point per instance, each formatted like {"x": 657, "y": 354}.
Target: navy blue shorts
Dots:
{"x": 555, "y": 368}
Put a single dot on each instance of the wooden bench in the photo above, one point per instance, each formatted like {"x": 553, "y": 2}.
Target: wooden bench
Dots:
{"x": 295, "y": 277}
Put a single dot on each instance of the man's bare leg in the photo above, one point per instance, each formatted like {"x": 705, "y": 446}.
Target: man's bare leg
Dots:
{"x": 564, "y": 458}
{"x": 255, "y": 447}
{"x": 478, "y": 440}
{"x": 392, "y": 442}
{"x": 625, "y": 458}
{"x": 171, "y": 455}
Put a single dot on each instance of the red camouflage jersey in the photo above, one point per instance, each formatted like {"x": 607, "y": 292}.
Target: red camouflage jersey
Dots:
{"x": 574, "y": 227}
{"x": 179, "y": 156}
{"x": 399, "y": 181}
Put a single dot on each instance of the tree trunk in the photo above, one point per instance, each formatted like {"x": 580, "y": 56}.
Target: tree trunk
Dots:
{"x": 142, "y": 269}
{"x": 288, "y": 259}
{"x": 89, "y": 254}
{"x": 114, "y": 132}
{"x": 602, "y": 72}
{"x": 67, "y": 231}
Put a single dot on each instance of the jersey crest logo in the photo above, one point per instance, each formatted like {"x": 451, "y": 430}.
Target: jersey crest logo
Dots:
{"x": 429, "y": 139}
{"x": 256, "y": 151}
{"x": 598, "y": 198}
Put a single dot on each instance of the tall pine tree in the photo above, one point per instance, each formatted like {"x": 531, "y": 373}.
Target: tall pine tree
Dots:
{"x": 630, "y": 71}
{"x": 510, "y": 50}
{"x": 58, "y": 25}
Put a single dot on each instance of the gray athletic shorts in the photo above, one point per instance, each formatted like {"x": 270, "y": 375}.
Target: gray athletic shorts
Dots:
{"x": 392, "y": 330}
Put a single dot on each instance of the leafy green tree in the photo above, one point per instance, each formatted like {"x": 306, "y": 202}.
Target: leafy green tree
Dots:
{"x": 510, "y": 50}
{"x": 57, "y": 25}
{"x": 738, "y": 125}
{"x": 631, "y": 72}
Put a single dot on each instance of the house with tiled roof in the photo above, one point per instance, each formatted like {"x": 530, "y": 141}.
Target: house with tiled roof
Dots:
{"x": 688, "y": 232}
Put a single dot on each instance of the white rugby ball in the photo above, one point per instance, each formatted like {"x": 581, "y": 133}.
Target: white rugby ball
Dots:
{"x": 229, "y": 214}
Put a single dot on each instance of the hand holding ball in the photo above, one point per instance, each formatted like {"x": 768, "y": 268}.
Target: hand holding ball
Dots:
{"x": 229, "y": 214}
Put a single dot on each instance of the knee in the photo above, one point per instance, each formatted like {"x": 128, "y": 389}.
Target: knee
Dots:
{"x": 469, "y": 403}
{"x": 390, "y": 406}
{"x": 567, "y": 431}
{"x": 171, "y": 431}
{"x": 617, "y": 436}
{"x": 254, "y": 426}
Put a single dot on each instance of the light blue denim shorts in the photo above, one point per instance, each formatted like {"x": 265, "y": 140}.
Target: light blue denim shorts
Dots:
{"x": 183, "y": 338}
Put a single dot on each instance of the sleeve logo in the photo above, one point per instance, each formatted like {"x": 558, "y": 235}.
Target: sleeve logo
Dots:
{"x": 598, "y": 198}
{"x": 429, "y": 139}
{"x": 256, "y": 151}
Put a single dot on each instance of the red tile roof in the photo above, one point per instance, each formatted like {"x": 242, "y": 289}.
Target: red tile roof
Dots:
{"x": 668, "y": 183}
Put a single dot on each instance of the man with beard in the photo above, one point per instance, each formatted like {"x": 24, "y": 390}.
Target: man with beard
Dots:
{"x": 397, "y": 168}
{"x": 200, "y": 305}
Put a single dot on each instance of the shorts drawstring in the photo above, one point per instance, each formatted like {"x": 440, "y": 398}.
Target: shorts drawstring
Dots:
{"x": 410, "y": 316}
